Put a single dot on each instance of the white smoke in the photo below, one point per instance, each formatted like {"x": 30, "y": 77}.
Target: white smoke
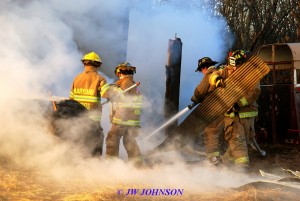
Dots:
{"x": 42, "y": 44}
{"x": 152, "y": 23}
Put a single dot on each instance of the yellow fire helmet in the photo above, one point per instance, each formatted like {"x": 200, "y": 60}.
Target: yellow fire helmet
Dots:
{"x": 125, "y": 68}
{"x": 92, "y": 59}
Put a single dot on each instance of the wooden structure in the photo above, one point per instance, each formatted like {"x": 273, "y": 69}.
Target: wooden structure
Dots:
{"x": 173, "y": 69}
{"x": 279, "y": 111}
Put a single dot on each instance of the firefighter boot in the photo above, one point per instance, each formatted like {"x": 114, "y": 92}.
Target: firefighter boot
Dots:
{"x": 242, "y": 168}
{"x": 138, "y": 162}
{"x": 216, "y": 160}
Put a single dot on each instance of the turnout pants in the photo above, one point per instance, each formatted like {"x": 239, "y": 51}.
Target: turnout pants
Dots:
{"x": 129, "y": 133}
{"x": 234, "y": 134}
{"x": 96, "y": 139}
{"x": 248, "y": 124}
{"x": 212, "y": 136}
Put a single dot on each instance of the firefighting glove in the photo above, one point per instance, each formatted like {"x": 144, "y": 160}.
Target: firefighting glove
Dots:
{"x": 195, "y": 102}
{"x": 219, "y": 82}
{"x": 234, "y": 108}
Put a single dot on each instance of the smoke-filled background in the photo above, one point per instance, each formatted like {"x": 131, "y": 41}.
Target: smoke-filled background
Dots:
{"x": 42, "y": 42}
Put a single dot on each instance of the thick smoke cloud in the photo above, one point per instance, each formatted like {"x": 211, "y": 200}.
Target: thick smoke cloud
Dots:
{"x": 153, "y": 23}
{"x": 42, "y": 42}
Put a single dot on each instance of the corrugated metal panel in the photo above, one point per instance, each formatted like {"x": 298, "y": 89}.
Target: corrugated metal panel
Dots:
{"x": 217, "y": 103}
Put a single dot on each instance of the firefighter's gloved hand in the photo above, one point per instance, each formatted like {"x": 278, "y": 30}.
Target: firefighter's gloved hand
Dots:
{"x": 195, "y": 100}
{"x": 229, "y": 111}
{"x": 236, "y": 107}
{"x": 220, "y": 83}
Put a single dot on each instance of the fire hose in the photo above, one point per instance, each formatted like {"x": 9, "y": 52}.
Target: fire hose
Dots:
{"x": 120, "y": 94}
{"x": 182, "y": 112}
{"x": 256, "y": 147}
{"x": 216, "y": 103}
{"x": 103, "y": 103}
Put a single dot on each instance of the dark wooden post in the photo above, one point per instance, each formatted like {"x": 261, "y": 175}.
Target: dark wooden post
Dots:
{"x": 173, "y": 69}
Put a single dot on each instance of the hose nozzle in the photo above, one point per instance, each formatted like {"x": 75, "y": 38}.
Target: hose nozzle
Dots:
{"x": 192, "y": 105}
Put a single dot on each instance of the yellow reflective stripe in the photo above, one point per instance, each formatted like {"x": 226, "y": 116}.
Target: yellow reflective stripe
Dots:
{"x": 138, "y": 98}
{"x": 209, "y": 155}
{"x": 249, "y": 114}
{"x": 119, "y": 90}
{"x": 232, "y": 114}
{"x": 137, "y": 159}
{"x": 136, "y": 104}
{"x": 91, "y": 99}
{"x": 130, "y": 105}
{"x": 242, "y": 160}
{"x": 104, "y": 88}
{"x": 244, "y": 101}
{"x": 71, "y": 95}
{"x": 126, "y": 123}
{"x": 137, "y": 111}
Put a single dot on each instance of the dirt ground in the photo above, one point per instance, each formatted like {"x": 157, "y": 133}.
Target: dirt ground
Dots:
{"x": 278, "y": 157}
{"x": 16, "y": 183}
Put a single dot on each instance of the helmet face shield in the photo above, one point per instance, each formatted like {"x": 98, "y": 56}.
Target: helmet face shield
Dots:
{"x": 125, "y": 69}
{"x": 91, "y": 63}
{"x": 232, "y": 61}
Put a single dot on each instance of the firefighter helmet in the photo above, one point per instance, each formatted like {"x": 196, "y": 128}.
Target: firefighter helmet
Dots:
{"x": 205, "y": 62}
{"x": 92, "y": 59}
{"x": 125, "y": 68}
{"x": 238, "y": 57}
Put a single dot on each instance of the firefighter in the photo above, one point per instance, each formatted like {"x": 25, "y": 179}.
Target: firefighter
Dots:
{"x": 248, "y": 113}
{"x": 248, "y": 107}
{"x": 213, "y": 131}
{"x": 87, "y": 89}
{"x": 125, "y": 116}
{"x": 234, "y": 132}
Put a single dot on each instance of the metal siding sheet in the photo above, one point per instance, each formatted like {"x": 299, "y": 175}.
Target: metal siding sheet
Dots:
{"x": 217, "y": 103}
